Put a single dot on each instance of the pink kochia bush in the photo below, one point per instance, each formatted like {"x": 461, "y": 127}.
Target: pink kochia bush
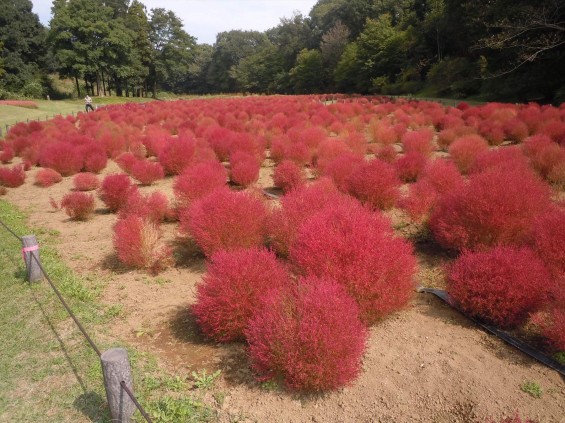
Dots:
{"x": 177, "y": 154}
{"x": 46, "y": 177}
{"x": 309, "y": 335}
{"x": 78, "y": 205}
{"x": 548, "y": 240}
{"x": 114, "y": 190}
{"x": 153, "y": 207}
{"x": 147, "y": 172}
{"x": 225, "y": 220}
{"x": 552, "y": 321}
{"x": 376, "y": 184}
{"x": 244, "y": 168}
{"x": 501, "y": 286}
{"x": 296, "y": 207}
{"x": 356, "y": 247}
{"x": 497, "y": 206}
{"x": 464, "y": 151}
{"x": 288, "y": 176}
{"x": 230, "y": 290}
{"x": 64, "y": 157}
{"x": 12, "y": 177}
{"x": 137, "y": 242}
{"x": 198, "y": 180}
{"x": 86, "y": 181}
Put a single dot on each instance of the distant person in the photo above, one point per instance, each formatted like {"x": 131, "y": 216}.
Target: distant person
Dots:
{"x": 88, "y": 103}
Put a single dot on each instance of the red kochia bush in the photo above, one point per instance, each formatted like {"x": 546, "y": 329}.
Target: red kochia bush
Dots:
{"x": 288, "y": 176}
{"x": 309, "y": 335}
{"x": 376, "y": 184}
{"x": 341, "y": 168}
{"x": 548, "y": 240}
{"x": 495, "y": 207}
{"x": 177, "y": 154}
{"x": 64, "y": 157}
{"x": 465, "y": 150}
{"x": 137, "y": 242}
{"x": 153, "y": 207}
{"x": 296, "y": 207}
{"x": 198, "y": 180}
{"x": 553, "y": 325}
{"x": 230, "y": 290}
{"x": 114, "y": 190}
{"x": 86, "y": 181}
{"x": 244, "y": 168}
{"x": 502, "y": 285}
{"x": 95, "y": 158}
{"x": 78, "y": 205}
{"x": 225, "y": 220}
{"x": 147, "y": 172}
{"x": 12, "y": 177}
{"x": 7, "y": 154}
{"x": 410, "y": 166}
{"x": 355, "y": 247}
{"x": 46, "y": 177}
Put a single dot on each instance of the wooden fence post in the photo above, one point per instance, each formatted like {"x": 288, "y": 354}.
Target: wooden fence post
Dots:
{"x": 116, "y": 368}
{"x": 29, "y": 251}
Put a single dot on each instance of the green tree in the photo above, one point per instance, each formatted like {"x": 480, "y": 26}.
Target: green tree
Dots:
{"x": 230, "y": 49}
{"x": 173, "y": 51}
{"x": 262, "y": 72}
{"x": 24, "y": 48}
{"x": 308, "y": 76}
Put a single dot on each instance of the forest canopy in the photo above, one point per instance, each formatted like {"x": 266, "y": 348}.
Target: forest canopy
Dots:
{"x": 512, "y": 50}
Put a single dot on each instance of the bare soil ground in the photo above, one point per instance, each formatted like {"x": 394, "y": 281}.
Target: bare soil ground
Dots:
{"x": 427, "y": 363}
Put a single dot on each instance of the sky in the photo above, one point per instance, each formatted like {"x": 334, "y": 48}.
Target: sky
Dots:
{"x": 203, "y": 19}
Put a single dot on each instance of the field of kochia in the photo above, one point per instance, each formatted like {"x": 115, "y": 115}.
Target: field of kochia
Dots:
{"x": 302, "y": 278}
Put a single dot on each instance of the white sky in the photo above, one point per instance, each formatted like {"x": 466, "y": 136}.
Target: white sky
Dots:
{"x": 203, "y": 19}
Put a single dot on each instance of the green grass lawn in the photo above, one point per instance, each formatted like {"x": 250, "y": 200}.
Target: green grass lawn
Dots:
{"x": 10, "y": 115}
{"x": 48, "y": 372}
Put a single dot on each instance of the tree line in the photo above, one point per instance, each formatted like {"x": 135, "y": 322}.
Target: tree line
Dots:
{"x": 494, "y": 49}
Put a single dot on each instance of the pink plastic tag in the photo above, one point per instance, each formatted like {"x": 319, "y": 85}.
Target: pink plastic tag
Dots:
{"x": 28, "y": 250}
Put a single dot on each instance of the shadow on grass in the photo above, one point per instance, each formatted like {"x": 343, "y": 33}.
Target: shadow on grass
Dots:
{"x": 93, "y": 406}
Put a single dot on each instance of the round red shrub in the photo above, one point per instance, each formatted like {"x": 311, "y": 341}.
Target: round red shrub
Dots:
{"x": 177, "y": 154}
{"x": 419, "y": 141}
{"x": 126, "y": 161}
{"x": 442, "y": 175}
{"x": 297, "y": 206}
{"x": 95, "y": 158}
{"x": 288, "y": 176}
{"x": 465, "y": 150}
{"x": 46, "y": 177}
{"x": 495, "y": 207}
{"x": 501, "y": 286}
{"x": 12, "y": 177}
{"x": 410, "y": 166}
{"x": 153, "y": 207}
{"x": 553, "y": 322}
{"x": 78, "y": 205}
{"x": 544, "y": 154}
{"x": 244, "y": 168}
{"x": 385, "y": 152}
{"x": 375, "y": 183}
{"x": 64, "y": 157}
{"x": 510, "y": 157}
{"x": 309, "y": 335}
{"x": 7, "y": 154}
{"x": 548, "y": 240}
{"x": 355, "y": 247}
{"x": 198, "y": 180}
{"x": 86, "y": 181}
{"x": 114, "y": 190}
{"x": 230, "y": 290}
{"x": 138, "y": 243}
{"x": 341, "y": 168}
{"x": 225, "y": 220}
{"x": 147, "y": 172}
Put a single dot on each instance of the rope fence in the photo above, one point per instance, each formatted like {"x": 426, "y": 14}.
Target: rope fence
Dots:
{"x": 116, "y": 368}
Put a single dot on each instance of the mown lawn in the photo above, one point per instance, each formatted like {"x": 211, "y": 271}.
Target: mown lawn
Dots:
{"x": 49, "y": 373}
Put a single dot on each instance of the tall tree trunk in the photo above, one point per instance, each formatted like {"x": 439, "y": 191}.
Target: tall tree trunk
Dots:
{"x": 78, "y": 87}
{"x": 98, "y": 83}
{"x": 103, "y": 83}
{"x": 154, "y": 89}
